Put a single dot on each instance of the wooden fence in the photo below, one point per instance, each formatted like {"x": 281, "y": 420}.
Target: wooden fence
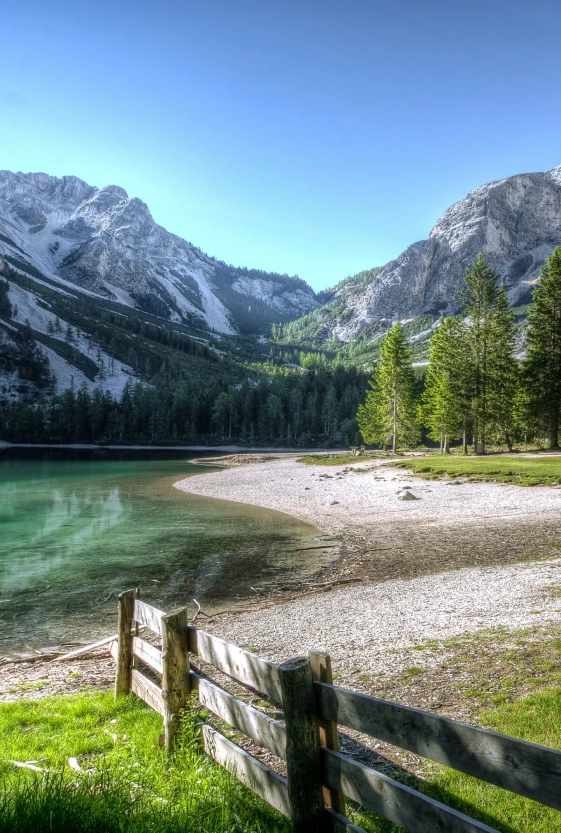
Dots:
{"x": 318, "y": 776}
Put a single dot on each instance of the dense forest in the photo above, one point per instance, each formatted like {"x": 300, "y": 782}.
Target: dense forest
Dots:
{"x": 307, "y": 408}
{"x": 193, "y": 390}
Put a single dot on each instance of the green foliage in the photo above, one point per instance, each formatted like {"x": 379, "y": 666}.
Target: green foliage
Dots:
{"x": 472, "y": 380}
{"x": 389, "y": 414}
{"x": 542, "y": 368}
{"x": 297, "y": 409}
{"x": 442, "y": 402}
{"x": 520, "y": 471}
{"x": 126, "y": 783}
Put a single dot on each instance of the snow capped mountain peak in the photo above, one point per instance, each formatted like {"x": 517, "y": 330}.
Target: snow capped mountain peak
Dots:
{"x": 107, "y": 243}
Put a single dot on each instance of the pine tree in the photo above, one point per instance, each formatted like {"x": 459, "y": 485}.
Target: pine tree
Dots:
{"x": 480, "y": 296}
{"x": 503, "y": 369}
{"x": 388, "y": 416}
{"x": 442, "y": 406}
{"x": 542, "y": 368}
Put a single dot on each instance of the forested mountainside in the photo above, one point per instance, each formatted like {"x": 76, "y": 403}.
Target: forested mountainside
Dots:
{"x": 98, "y": 340}
{"x": 101, "y": 241}
{"x": 515, "y": 222}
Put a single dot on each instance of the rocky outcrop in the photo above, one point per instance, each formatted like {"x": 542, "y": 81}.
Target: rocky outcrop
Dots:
{"x": 107, "y": 243}
{"x": 515, "y": 222}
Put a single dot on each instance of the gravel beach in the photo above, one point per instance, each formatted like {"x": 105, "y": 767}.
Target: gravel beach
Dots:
{"x": 460, "y": 558}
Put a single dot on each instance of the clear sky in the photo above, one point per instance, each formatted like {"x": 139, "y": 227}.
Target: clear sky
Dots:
{"x": 314, "y": 137}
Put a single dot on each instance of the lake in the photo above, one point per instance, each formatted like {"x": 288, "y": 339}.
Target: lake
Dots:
{"x": 77, "y": 527}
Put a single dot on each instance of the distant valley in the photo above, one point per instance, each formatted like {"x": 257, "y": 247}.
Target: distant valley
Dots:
{"x": 95, "y": 296}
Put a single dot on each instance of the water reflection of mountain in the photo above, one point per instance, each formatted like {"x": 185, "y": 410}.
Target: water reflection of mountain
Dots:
{"x": 71, "y": 521}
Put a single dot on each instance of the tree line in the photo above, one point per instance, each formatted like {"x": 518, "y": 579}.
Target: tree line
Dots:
{"x": 303, "y": 409}
{"x": 476, "y": 388}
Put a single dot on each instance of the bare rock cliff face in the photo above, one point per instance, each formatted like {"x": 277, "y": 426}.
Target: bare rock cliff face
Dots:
{"x": 515, "y": 222}
{"x": 108, "y": 244}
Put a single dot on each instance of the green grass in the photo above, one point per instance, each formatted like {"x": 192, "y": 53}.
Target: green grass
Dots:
{"x": 521, "y": 471}
{"x": 126, "y": 783}
{"x": 340, "y": 459}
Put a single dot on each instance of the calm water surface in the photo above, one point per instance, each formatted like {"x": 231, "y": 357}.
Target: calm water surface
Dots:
{"x": 77, "y": 528}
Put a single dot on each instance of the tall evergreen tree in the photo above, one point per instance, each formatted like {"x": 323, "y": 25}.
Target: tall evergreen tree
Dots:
{"x": 480, "y": 296}
{"x": 502, "y": 368}
{"x": 542, "y": 368}
{"x": 389, "y": 414}
{"x": 442, "y": 410}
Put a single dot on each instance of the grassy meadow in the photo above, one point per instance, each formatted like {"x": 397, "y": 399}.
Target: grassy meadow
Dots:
{"x": 126, "y": 783}
{"x": 538, "y": 470}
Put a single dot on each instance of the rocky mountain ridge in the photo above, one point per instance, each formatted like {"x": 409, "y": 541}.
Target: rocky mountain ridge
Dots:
{"x": 515, "y": 222}
{"x": 108, "y": 245}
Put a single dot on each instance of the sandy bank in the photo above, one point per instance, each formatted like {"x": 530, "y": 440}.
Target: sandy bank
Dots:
{"x": 462, "y": 544}
{"x": 448, "y": 526}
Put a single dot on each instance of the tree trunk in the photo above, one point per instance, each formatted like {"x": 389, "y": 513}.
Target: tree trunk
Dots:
{"x": 508, "y": 440}
{"x": 446, "y": 446}
{"x": 554, "y": 431}
{"x": 465, "y": 440}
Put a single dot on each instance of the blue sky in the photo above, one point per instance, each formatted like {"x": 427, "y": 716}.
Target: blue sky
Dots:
{"x": 314, "y": 137}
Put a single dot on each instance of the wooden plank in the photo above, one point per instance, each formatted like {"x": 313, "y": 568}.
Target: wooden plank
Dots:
{"x": 399, "y": 804}
{"x": 340, "y": 823}
{"x": 263, "y": 781}
{"x": 86, "y": 648}
{"x": 320, "y": 663}
{"x": 246, "y": 668}
{"x": 147, "y": 691}
{"x": 268, "y": 733}
{"x": 303, "y": 752}
{"x": 175, "y": 674}
{"x": 124, "y": 644}
{"x": 523, "y": 768}
{"x": 148, "y": 616}
{"x": 149, "y": 654}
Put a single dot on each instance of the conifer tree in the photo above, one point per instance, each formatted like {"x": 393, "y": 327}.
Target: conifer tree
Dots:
{"x": 441, "y": 404}
{"x": 542, "y": 368}
{"x": 502, "y": 367}
{"x": 389, "y": 414}
{"x": 480, "y": 296}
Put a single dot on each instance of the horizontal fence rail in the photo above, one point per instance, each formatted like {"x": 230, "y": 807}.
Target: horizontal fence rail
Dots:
{"x": 416, "y": 812}
{"x": 246, "y": 668}
{"x": 268, "y": 733}
{"x": 524, "y": 768}
{"x": 319, "y": 777}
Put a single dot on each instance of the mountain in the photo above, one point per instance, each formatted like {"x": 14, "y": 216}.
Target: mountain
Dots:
{"x": 74, "y": 235}
{"x": 515, "y": 222}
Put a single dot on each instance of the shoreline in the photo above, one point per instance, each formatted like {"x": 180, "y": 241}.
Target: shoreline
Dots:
{"x": 464, "y": 559}
{"x": 461, "y": 558}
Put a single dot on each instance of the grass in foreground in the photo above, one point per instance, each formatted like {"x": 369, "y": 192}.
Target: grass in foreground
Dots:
{"x": 521, "y": 471}
{"x": 126, "y": 782}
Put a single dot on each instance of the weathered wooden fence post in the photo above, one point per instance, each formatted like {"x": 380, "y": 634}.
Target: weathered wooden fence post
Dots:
{"x": 303, "y": 761}
{"x": 320, "y": 663}
{"x": 175, "y": 676}
{"x": 124, "y": 645}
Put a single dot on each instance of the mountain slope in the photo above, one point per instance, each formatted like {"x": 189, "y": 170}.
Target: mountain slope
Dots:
{"x": 108, "y": 245}
{"x": 515, "y": 222}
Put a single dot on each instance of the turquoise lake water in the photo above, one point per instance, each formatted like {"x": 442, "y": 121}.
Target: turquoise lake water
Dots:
{"x": 77, "y": 528}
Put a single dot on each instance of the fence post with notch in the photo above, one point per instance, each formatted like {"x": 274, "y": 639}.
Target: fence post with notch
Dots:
{"x": 124, "y": 644}
{"x": 175, "y": 672}
{"x": 320, "y": 663}
{"x": 303, "y": 752}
